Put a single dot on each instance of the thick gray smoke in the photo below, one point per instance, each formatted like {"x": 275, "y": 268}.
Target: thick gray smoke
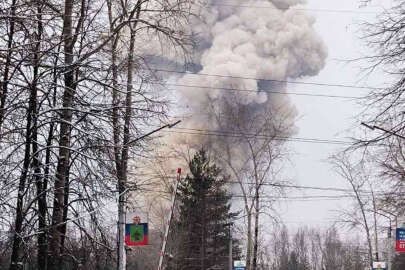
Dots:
{"x": 271, "y": 40}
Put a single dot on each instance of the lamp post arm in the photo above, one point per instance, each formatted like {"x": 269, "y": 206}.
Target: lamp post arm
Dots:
{"x": 382, "y": 129}
{"x": 153, "y": 131}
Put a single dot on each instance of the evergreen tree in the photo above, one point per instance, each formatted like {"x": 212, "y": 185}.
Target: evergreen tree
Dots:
{"x": 297, "y": 263}
{"x": 293, "y": 263}
{"x": 204, "y": 219}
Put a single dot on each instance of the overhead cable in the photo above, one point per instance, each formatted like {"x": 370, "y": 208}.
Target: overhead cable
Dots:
{"x": 264, "y": 79}
{"x": 262, "y": 137}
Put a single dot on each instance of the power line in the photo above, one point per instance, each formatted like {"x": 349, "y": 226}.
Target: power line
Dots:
{"x": 271, "y": 198}
{"x": 295, "y": 187}
{"x": 267, "y": 80}
{"x": 312, "y": 188}
{"x": 299, "y": 9}
{"x": 362, "y": 192}
{"x": 262, "y": 137}
{"x": 262, "y": 91}
{"x": 280, "y": 198}
{"x": 324, "y": 10}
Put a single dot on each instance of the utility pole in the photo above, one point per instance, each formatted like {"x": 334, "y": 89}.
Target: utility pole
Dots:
{"x": 390, "y": 247}
{"x": 230, "y": 245}
{"x": 169, "y": 220}
{"x": 230, "y": 248}
{"x": 122, "y": 263}
{"x": 122, "y": 259}
{"x": 390, "y": 244}
{"x": 389, "y": 254}
{"x": 389, "y": 238}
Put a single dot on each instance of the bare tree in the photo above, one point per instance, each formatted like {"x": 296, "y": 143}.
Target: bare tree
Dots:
{"x": 356, "y": 177}
{"x": 8, "y": 65}
{"x": 313, "y": 249}
{"x": 383, "y": 116}
{"x": 253, "y": 152}
{"x": 60, "y": 111}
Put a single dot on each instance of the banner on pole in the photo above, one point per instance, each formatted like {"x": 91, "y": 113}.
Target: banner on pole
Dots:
{"x": 400, "y": 240}
{"x": 379, "y": 266}
{"x": 239, "y": 265}
{"x": 136, "y": 234}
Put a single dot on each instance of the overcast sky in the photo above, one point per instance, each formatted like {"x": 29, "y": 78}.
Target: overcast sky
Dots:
{"x": 328, "y": 118}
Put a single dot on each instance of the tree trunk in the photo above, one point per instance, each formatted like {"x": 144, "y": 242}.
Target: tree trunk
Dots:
{"x": 31, "y": 112}
{"x": 122, "y": 169}
{"x": 64, "y": 140}
{"x": 116, "y": 139}
{"x": 256, "y": 239}
{"x": 115, "y": 93}
{"x": 63, "y": 228}
{"x": 370, "y": 247}
{"x": 216, "y": 229}
{"x": 31, "y": 137}
{"x": 15, "y": 254}
{"x": 42, "y": 202}
{"x": 39, "y": 179}
{"x": 203, "y": 235}
{"x": 249, "y": 242}
{"x": 375, "y": 223}
{"x": 4, "y": 85}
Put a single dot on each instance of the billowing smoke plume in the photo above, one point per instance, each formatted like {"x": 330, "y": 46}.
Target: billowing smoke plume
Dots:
{"x": 269, "y": 40}
{"x": 240, "y": 39}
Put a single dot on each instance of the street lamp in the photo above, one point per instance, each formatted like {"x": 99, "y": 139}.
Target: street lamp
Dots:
{"x": 382, "y": 129}
{"x": 389, "y": 236}
{"x": 230, "y": 245}
{"x": 121, "y": 203}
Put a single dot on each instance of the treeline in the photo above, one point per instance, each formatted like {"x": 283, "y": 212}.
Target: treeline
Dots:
{"x": 204, "y": 227}
{"x": 313, "y": 249}
{"x": 77, "y": 96}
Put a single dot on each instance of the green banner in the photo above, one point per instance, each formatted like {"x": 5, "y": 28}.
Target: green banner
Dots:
{"x": 136, "y": 233}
